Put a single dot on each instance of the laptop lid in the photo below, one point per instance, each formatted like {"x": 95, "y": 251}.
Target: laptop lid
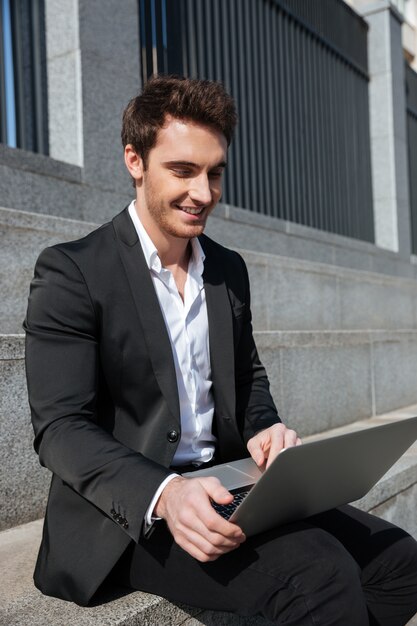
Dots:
{"x": 314, "y": 477}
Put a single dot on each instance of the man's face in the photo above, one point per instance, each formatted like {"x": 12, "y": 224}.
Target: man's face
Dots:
{"x": 183, "y": 180}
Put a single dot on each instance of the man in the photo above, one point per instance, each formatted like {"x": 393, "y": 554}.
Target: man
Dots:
{"x": 141, "y": 364}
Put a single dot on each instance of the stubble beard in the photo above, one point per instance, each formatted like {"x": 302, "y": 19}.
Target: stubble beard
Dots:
{"x": 165, "y": 217}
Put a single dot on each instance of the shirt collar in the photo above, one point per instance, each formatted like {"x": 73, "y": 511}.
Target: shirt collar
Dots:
{"x": 196, "y": 264}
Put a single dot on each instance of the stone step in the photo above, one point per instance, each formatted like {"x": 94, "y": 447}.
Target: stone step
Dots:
{"x": 394, "y": 498}
{"x": 319, "y": 380}
{"x": 324, "y": 379}
{"x": 21, "y": 604}
{"x": 22, "y": 237}
{"x": 294, "y": 294}
{"x": 287, "y": 293}
{"x": 23, "y": 483}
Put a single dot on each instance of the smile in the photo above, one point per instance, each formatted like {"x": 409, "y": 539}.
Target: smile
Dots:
{"x": 192, "y": 210}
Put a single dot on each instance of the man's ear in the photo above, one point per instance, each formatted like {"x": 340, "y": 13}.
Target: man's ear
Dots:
{"x": 134, "y": 163}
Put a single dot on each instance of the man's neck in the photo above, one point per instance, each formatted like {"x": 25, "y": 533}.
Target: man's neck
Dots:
{"x": 173, "y": 251}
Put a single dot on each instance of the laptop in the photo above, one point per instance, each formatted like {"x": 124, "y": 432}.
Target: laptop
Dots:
{"x": 311, "y": 478}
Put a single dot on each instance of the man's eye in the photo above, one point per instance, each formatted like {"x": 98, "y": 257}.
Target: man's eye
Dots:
{"x": 216, "y": 174}
{"x": 182, "y": 173}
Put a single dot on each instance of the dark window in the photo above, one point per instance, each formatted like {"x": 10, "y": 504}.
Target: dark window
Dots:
{"x": 23, "y": 80}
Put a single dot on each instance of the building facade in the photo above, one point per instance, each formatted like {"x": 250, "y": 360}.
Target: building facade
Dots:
{"x": 320, "y": 198}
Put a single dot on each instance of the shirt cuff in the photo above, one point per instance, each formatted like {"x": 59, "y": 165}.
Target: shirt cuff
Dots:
{"x": 149, "y": 517}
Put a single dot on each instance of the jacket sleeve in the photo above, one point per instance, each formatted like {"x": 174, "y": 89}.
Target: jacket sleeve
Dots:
{"x": 62, "y": 366}
{"x": 255, "y": 408}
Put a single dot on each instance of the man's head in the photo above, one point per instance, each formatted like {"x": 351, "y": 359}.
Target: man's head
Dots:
{"x": 176, "y": 135}
{"x": 201, "y": 101}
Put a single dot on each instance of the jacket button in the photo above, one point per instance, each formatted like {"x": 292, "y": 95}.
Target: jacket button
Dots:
{"x": 172, "y": 436}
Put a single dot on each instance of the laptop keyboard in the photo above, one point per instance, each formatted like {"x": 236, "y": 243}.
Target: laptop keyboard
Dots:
{"x": 226, "y": 510}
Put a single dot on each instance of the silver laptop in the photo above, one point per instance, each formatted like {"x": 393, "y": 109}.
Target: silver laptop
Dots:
{"x": 311, "y": 478}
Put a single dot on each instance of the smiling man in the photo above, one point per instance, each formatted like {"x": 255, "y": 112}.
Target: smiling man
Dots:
{"x": 141, "y": 366}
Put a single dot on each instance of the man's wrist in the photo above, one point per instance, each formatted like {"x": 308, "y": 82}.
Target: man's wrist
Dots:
{"x": 160, "y": 506}
{"x": 150, "y": 515}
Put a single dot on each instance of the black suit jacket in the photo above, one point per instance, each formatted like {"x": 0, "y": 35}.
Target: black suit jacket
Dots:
{"x": 103, "y": 393}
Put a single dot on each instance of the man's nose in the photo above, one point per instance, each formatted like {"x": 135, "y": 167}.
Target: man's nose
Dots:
{"x": 200, "y": 189}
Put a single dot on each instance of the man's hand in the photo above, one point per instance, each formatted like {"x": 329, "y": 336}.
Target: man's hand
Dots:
{"x": 265, "y": 446}
{"x": 185, "y": 506}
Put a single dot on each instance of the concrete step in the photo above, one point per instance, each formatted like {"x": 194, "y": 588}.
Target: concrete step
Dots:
{"x": 394, "y": 498}
{"x": 23, "y": 483}
{"x": 294, "y": 294}
{"x": 22, "y": 237}
{"x": 319, "y": 381}
{"x": 324, "y": 379}
{"x": 21, "y": 604}
{"x": 287, "y": 293}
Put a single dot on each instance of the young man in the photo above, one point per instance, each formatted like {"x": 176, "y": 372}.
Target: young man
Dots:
{"x": 141, "y": 364}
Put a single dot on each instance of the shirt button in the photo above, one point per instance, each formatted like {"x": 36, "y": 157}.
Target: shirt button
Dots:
{"x": 172, "y": 436}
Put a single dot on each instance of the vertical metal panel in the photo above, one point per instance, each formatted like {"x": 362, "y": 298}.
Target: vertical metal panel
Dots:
{"x": 292, "y": 145}
{"x": 160, "y": 61}
{"x": 191, "y": 38}
{"x": 313, "y": 136}
{"x": 327, "y": 117}
{"x": 19, "y": 76}
{"x": 270, "y": 111}
{"x": 258, "y": 146}
{"x": 39, "y": 100}
{"x": 308, "y": 161}
{"x": 282, "y": 28}
{"x": 334, "y": 131}
{"x": 247, "y": 75}
{"x": 147, "y": 47}
{"x": 174, "y": 51}
{"x": 412, "y": 159}
{"x": 411, "y": 99}
{"x": 302, "y": 167}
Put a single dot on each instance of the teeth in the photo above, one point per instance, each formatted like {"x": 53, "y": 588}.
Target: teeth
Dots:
{"x": 192, "y": 211}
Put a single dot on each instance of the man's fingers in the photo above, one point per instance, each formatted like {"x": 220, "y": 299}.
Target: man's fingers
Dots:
{"x": 267, "y": 444}
{"x": 215, "y": 490}
{"x": 193, "y": 535}
{"x": 290, "y": 438}
{"x": 202, "y": 550}
{"x": 192, "y": 520}
{"x": 210, "y": 543}
{"x": 285, "y": 438}
{"x": 256, "y": 447}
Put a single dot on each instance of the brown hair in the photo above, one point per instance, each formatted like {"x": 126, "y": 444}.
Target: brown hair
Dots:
{"x": 203, "y": 101}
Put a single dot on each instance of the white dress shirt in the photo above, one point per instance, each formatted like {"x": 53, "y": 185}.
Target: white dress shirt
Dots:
{"x": 187, "y": 325}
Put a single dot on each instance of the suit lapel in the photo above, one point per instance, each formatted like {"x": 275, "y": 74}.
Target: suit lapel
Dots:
{"x": 220, "y": 335}
{"x": 150, "y": 315}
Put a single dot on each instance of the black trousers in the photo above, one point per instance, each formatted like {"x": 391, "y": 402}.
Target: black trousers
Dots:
{"x": 343, "y": 567}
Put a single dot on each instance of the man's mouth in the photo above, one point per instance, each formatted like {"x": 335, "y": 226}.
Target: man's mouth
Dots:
{"x": 191, "y": 210}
